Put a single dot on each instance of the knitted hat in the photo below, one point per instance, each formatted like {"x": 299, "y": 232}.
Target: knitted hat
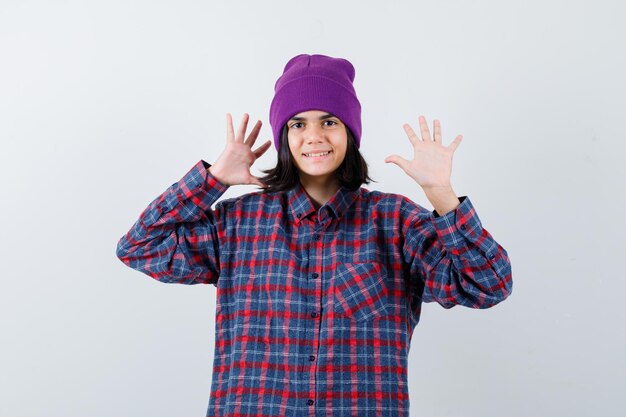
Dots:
{"x": 316, "y": 82}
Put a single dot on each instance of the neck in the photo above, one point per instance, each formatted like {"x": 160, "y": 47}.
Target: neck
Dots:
{"x": 319, "y": 189}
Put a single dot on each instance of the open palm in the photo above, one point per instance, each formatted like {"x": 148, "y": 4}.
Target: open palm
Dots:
{"x": 431, "y": 166}
{"x": 233, "y": 165}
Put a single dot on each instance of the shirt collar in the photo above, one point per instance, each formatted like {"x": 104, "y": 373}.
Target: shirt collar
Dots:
{"x": 301, "y": 205}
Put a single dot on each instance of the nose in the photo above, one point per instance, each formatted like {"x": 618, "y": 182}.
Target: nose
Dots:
{"x": 314, "y": 133}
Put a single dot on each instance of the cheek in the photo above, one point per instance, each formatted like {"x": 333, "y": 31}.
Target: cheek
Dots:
{"x": 295, "y": 158}
{"x": 293, "y": 145}
{"x": 293, "y": 154}
{"x": 343, "y": 152}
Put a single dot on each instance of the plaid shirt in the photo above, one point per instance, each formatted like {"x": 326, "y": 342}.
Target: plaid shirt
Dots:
{"x": 315, "y": 308}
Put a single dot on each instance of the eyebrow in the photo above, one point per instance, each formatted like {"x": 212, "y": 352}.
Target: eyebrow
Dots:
{"x": 326, "y": 116}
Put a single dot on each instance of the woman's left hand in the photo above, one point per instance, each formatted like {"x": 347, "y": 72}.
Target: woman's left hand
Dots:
{"x": 431, "y": 166}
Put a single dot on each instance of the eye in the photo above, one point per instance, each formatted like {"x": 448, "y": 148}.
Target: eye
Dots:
{"x": 295, "y": 125}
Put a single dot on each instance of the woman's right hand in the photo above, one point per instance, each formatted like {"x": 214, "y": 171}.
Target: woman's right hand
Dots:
{"x": 233, "y": 165}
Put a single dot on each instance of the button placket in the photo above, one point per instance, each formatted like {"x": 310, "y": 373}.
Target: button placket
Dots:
{"x": 315, "y": 251}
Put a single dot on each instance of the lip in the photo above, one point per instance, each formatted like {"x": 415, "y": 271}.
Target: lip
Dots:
{"x": 327, "y": 150}
{"x": 317, "y": 158}
{"x": 320, "y": 151}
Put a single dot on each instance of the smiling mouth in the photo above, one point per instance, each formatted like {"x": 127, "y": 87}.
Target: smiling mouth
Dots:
{"x": 317, "y": 155}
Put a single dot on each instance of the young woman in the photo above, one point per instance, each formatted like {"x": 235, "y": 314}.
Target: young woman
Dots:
{"x": 319, "y": 281}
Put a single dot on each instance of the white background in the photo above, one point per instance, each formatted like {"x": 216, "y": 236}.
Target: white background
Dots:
{"x": 104, "y": 104}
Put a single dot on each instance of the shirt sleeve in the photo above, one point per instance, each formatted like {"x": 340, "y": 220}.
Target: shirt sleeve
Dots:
{"x": 175, "y": 239}
{"x": 453, "y": 258}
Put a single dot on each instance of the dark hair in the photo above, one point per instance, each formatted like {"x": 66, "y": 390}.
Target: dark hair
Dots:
{"x": 351, "y": 173}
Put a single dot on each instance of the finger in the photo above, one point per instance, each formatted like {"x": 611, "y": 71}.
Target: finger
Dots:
{"x": 230, "y": 134}
{"x": 261, "y": 149}
{"x": 437, "y": 130}
{"x": 411, "y": 134}
{"x": 455, "y": 144}
{"x": 398, "y": 160}
{"x": 424, "y": 128}
{"x": 242, "y": 128}
{"x": 253, "y": 134}
{"x": 256, "y": 181}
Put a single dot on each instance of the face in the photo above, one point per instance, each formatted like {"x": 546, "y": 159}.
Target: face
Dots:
{"x": 315, "y": 132}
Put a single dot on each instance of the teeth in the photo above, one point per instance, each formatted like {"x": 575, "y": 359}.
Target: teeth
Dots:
{"x": 317, "y": 154}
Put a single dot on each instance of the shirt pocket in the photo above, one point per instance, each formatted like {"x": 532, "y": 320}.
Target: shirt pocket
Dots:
{"x": 360, "y": 292}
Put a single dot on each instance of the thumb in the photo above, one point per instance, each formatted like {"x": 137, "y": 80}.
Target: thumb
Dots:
{"x": 398, "y": 160}
{"x": 254, "y": 180}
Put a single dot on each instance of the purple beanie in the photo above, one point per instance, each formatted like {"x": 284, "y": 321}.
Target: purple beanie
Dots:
{"x": 316, "y": 82}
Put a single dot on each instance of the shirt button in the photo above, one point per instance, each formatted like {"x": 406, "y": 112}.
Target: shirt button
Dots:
{"x": 316, "y": 237}
{"x": 311, "y": 358}
{"x": 493, "y": 255}
{"x": 310, "y": 402}
{"x": 299, "y": 215}
{"x": 314, "y": 314}
{"x": 463, "y": 226}
{"x": 315, "y": 275}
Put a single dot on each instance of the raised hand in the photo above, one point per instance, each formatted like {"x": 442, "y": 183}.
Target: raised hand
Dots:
{"x": 233, "y": 165}
{"x": 431, "y": 166}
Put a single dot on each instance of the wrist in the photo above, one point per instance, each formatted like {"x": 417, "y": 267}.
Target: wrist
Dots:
{"x": 439, "y": 190}
{"x": 217, "y": 174}
{"x": 443, "y": 199}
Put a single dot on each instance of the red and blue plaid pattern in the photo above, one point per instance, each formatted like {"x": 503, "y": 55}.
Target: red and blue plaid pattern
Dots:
{"x": 315, "y": 309}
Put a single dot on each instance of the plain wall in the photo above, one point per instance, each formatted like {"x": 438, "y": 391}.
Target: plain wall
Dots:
{"x": 104, "y": 104}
